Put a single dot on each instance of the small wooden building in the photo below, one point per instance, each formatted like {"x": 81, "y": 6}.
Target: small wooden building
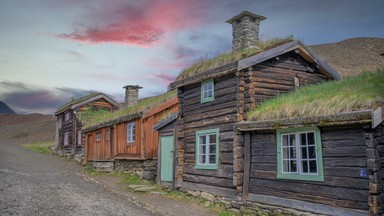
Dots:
{"x": 69, "y": 127}
{"x": 166, "y": 153}
{"x": 328, "y": 165}
{"x": 128, "y": 139}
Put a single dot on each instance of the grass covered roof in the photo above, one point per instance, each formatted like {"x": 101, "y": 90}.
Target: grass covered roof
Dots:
{"x": 76, "y": 101}
{"x": 97, "y": 118}
{"x": 225, "y": 58}
{"x": 362, "y": 92}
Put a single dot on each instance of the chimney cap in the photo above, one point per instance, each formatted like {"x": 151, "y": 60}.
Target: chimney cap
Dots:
{"x": 243, "y": 14}
{"x": 133, "y": 86}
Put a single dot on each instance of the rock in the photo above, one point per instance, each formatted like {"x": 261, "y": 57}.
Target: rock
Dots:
{"x": 208, "y": 196}
{"x": 234, "y": 210}
{"x": 194, "y": 193}
{"x": 157, "y": 193}
{"x": 144, "y": 189}
{"x": 207, "y": 204}
{"x": 276, "y": 212}
{"x": 226, "y": 203}
{"x": 147, "y": 175}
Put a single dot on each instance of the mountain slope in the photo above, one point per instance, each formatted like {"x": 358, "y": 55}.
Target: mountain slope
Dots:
{"x": 352, "y": 56}
{"x": 4, "y": 109}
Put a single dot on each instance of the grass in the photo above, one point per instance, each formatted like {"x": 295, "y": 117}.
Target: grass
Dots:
{"x": 363, "y": 92}
{"x": 91, "y": 118}
{"x": 225, "y": 58}
{"x": 40, "y": 147}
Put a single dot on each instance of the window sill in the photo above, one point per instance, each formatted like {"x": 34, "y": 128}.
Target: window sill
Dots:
{"x": 317, "y": 178}
{"x": 206, "y": 167}
{"x": 130, "y": 144}
{"x": 207, "y": 100}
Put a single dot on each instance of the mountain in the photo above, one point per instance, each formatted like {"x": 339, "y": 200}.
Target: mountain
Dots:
{"x": 4, "y": 109}
{"x": 353, "y": 56}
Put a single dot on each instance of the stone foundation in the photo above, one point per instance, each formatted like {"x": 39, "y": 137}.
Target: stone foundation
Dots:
{"x": 146, "y": 169}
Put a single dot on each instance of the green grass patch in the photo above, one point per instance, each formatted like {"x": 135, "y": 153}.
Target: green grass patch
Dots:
{"x": 40, "y": 147}
{"x": 228, "y": 57}
{"x": 363, "y": 92}
{"x": 91, "y": 118}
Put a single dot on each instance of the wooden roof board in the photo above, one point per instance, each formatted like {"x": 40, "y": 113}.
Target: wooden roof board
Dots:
{"x": 160, "y": 107}
{"x": 166, "y": 121}
{"x": 277, "y": 51}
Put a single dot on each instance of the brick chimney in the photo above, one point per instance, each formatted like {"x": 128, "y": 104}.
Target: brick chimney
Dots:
{"x": 245, "y": 30}
{"x": 131, "y": 95}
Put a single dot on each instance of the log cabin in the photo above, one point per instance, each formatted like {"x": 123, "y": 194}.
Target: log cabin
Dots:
{"x": 328, "y": 160}
{"x": 125, "y": 139}
{"x": 69, "y": 127}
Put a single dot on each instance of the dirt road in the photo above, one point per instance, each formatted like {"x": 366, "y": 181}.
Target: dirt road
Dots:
{"x": 37, "y": 184}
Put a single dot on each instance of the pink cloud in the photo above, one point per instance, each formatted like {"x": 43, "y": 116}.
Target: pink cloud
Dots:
{"x": 142, "y": 23}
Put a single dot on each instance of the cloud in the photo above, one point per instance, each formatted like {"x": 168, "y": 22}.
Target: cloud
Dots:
{"x": 24, "y": 98}
{"x": 141, "y": 23}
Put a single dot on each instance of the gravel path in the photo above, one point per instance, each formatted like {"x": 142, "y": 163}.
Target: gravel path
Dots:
{"x": 37, "y": 184}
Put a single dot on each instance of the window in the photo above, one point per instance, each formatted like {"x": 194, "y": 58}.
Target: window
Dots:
{"x": 207, "y": 91}
{"x": 299, "y": 154}
{"x": 67, "y": 116}
{"x": 66, "y": 138}
{"x": 107, "y": 135}
{"x": 98, "y": 137}
{"x": 207, "y": 149}
{"x": 131, "y": 132}
{"x": 79, "y": 137}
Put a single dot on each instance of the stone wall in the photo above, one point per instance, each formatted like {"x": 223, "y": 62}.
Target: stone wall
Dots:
{"x": 146, "y": 169}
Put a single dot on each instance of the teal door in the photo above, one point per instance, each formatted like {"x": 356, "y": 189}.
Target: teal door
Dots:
{"x": 166, "y": 172}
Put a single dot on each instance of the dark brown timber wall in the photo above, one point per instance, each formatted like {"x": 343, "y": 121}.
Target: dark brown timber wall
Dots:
{"x": 196, "y": 116}
{"x": 344, "y": 157}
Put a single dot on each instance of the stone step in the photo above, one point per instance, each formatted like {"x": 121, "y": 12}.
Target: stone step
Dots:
{"x": 105, "y": 166}
{"x": 141, "y": 188}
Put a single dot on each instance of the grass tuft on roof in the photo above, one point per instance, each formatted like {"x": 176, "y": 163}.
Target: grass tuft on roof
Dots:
{"x": 228, "y": 57}
{"x": 358, "y": 93}
{"x": 91, "y": 118}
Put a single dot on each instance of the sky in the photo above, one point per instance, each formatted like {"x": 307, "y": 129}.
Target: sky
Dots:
{"x": 52, "y": 51}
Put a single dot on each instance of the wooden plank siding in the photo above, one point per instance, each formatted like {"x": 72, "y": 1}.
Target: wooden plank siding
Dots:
{"x": 344, "y": 156}
{"x": 146, "y": 141}
{"x": 100, "y": 103}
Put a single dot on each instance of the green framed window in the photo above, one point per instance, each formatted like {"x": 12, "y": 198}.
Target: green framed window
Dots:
{"x": 299, "y": 154}
{"x": 207, "y": 91}
{"x": 207, "y": 149}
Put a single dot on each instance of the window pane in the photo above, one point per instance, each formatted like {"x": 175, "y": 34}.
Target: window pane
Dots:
{"x": 285, "y": 166}
{"x": 304, "y": 154}
{"x": 285, "y": 140}
{"x": 312, "y": 152}
{"x": 285, "y": 153}
{"x": 202, "y": 159}
{"x": 311, "y": 138}
{"x": 293, "y": 166}
{"x": 202, "y": 139}
{"x": 212, "y": 148}
{"x": 209, "y": 94}
{"x": 212, "y": 159}
{"x": 292, "y": 140}
{"x": 312, "y": 166}
{"x": 304, "y": 165}
{"x": 202, "y": 149}
{"x": 292, "y": 153}
{"x": 303, "y": 139}
{"x": 212, "y": 138}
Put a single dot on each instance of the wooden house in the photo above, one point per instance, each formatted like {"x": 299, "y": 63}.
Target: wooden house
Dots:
{"x": 68, "y": 125}
{"x": 126, "y": 137}
{"x": 209, "y": 150}
{"x": 330, "y": 164}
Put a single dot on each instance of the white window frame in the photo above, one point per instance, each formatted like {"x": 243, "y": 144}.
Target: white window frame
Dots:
{"x": 207, "y": 91}
{"x": 98, "y": 137}
{"x": 131, "y": 132}
{"x": 66, "y": 138}
{"x": 203, "y": 149}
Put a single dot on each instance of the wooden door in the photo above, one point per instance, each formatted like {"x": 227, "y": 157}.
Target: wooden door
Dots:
{"x": 166, "y": 161}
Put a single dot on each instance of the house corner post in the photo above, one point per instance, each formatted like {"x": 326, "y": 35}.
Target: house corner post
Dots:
{"x": 179, "y": 157}
{"x": 238, "y": 162}
{"x": 375, "y": 172}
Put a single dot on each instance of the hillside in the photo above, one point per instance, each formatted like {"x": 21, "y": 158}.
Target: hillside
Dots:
{"x": 23, "y": 129}
{"x": 352, "y": 56}
{"x": 4, "y": 109}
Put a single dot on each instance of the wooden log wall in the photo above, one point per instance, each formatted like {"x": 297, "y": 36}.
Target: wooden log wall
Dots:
{"x": 374, "y": 141}
{"x": 344, "y": 163}
{"x": 276, "y": 76}
{"x": 98, "y": 104}
{"x": 196, "y": 116}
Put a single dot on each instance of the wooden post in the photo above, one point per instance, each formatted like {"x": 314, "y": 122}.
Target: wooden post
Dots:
{"x": 247, "y": 165}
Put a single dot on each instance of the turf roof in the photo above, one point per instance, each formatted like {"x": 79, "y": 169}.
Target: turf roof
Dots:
{"x": 91, "y": 119}
{"x": 76, "y": 101}
{"x": 225, "y": 58}
{"x": 358, "y": 93}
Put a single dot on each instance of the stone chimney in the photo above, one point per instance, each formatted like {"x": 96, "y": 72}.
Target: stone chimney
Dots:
{"x": 245, "y": 30}
{"x": 131, "y": 95}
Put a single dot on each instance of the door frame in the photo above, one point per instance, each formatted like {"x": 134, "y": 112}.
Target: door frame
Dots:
{"x": 159, "y": 181}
